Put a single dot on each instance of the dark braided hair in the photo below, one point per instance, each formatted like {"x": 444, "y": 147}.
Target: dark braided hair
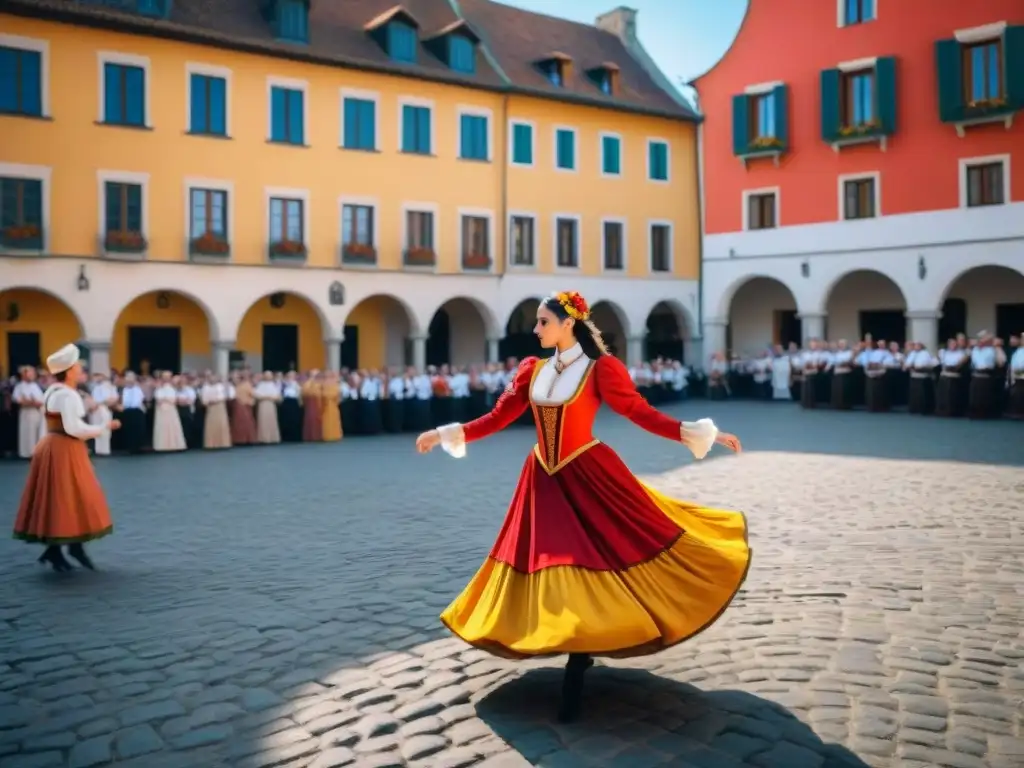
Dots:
{"x": 586, "y": 333}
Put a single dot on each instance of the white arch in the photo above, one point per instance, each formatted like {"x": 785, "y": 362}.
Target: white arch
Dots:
{"x": 828, "y": 287}
{"x": 620, "y": 315}
{"x": 82, "y": 328}
{"x": 416, "y": 325}
{"x": 492, "y": 329}
{"x": 725, "y": 299}
{"x": 211, "y": 317}
{"x": 511, "y": 310}
{"x": 947, "y": 284}
{"x": 684, "y": 316}
{"x": 298, "y": 294}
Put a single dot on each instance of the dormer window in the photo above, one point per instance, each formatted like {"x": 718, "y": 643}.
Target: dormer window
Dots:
{"x": 557, "y": 68}
{"x": 605, "y": 77}
{"x": 402, "y": 42}
{"x": 156, "y": 8}
{"x": 461, "y": 54}
{"x": 291, "y": 20}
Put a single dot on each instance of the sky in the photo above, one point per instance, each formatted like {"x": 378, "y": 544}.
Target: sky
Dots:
{"x": 685, "y": 37}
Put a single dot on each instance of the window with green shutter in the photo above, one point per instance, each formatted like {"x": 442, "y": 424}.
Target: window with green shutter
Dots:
{"x": 611, "y": 155}
{"x": 565, "y": 149}
{"x": 657, "y": 161}
{"x": 859, "y": 104}
{"x": 760, "y": 122}
{"x": 982, "y": 79}
{"x": 522, "y": 144}
{"x": 416, "y": 137}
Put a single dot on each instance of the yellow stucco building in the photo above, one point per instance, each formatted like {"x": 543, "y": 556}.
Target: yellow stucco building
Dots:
{"x": 318, "y": 184}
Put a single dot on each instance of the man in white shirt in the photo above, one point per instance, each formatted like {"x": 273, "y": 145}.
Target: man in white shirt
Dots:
{"x": 982, "y": 398}
{"x": 28, "y": 396}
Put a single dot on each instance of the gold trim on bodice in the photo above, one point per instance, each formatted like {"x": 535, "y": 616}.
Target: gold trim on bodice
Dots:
{"x": 550, "y": 420}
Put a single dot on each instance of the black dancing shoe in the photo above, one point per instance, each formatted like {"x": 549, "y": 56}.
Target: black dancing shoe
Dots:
{"x": 572, "y": 687}
{"x": 53, "y": 557}
{"x": 77, "y": 551}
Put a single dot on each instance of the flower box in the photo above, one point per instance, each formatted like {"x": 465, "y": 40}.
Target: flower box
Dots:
{"x": 766, "y": 143}
{"x": 287, "y": 250}
{"x": 125, "y": 242}
{"x": 358, "y": 253}
{"x": 27, "y": 237}
{"x": 420, "y": 257}
{"x": 987, "y": 107}
{"x": 209, "y": 245}
{"x": 476, "y": 261}
{"x": 869, "y": 128}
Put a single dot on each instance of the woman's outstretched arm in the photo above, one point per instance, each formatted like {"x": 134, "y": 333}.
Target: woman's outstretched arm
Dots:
{"x": 618, "y": 392}
{"x": 510, "y": 406}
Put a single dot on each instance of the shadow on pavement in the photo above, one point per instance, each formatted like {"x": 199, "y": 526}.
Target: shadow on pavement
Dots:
{"x": 635, "y": 719}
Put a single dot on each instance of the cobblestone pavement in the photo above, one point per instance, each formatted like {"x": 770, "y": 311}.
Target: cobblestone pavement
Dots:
{"x": 278, "y": 607}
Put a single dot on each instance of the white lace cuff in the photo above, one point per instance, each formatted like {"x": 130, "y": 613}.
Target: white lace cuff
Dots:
{"x": 698, "y": 436}
{"x": 453, "y": 440}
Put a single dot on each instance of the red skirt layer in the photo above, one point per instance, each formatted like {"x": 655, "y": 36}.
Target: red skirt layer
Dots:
{"x": 62, "y": 501}
{"x": 591, "y": 560}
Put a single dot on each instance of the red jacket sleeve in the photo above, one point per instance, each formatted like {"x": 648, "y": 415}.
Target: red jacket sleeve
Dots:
{"x": 618, "y": 392}
{"x": 510, "y": 405}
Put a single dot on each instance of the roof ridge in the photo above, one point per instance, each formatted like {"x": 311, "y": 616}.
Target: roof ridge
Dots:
{"x": 562, "y": 19}
{"x": 485, "y": 46}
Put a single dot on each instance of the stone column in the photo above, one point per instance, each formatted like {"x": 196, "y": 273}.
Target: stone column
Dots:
{"x": 332, "y": 347}
{"x": 419, "y": 351}
{"x": 924, "y": 327}
{"x": 99, "y": 356}
{"x": 812, "y": 326}
{"x": 635, "y": 350}
{"x": 714, "y": 337}
{"x": 222, "y": 357}
{"x": 493, "y": 353}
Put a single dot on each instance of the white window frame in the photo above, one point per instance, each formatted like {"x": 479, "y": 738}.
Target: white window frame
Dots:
{"x": 980, "y": 34}
{"x": 121, "y": 177}
{"x": 127, "y": 60}
{"x": 969, "y": 162}
{"x": 468, "y": 109}
{"x": 748, "y": 193}
{"x": 578, "y": 218}
{"x": 668, "y": 159}
{"x": 651, "y": 224}
{"x": 289, "y": 193}
{"x": 575, "y": 148}
{"x": 600, "y": 154}
{"x": 42, "y": 47}
{"x": 841, "y": 14}
{"x": 215, "y": 185}
{"x": 418, "y": 207}
{"x": 291, "y": 83}
{"x": 403, "y": 102}
{"x": 208, "y": 70}
{"x": 874, "y": 176}
{"x": 42, "y": 174}
{"x": 512, "y": 123}
{"x": 625, "y": 245}
{"x": 533, "y": 244}
{"x": 480, "y": 213}
{"x": 365, "y": 95}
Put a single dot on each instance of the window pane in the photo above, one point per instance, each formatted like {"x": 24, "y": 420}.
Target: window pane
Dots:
{"x": 112, "y": 94}
{"x": 135, "y": 96}
{"x": 978, "y": 81}
{"x": 277, "y": 114}
{"x": 30, "y": 82}
{"x": 217, "y": 88}
{"x": 198, "y": 213}
{"x": 296, "y": 134}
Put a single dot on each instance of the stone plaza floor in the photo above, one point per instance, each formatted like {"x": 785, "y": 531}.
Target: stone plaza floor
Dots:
{"x": 277, "y": 607}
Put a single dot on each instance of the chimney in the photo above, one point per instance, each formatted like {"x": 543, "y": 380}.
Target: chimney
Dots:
{"x": 621, "y": 22}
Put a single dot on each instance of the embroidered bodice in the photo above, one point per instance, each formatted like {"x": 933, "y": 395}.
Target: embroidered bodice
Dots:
{"x": 564, "y": 408}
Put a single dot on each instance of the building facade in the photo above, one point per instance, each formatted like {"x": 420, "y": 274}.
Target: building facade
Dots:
{"x": 316, "y": 184}
{"x": 870, "y": 180}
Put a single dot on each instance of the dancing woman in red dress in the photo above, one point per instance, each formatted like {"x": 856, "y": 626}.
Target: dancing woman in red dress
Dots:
{"x": 591, "y": 561}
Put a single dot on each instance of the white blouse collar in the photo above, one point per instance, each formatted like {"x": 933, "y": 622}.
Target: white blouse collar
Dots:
{"x": 571, "y": 353}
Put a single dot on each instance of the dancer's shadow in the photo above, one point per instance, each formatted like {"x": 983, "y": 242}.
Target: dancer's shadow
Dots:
{"x": 636, "y": 719}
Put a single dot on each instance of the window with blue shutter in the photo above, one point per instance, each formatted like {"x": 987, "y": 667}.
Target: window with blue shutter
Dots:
{"x": 522, "y": 144}
{"x": 657, "y": 160}
{"x": 858, "y": 11}
{"x": 287, "y": 116}
{"x": 611, "y": 155}
{"x": 208, "y": 109}
{"x": 416, "y": 130}
{"x": 21, "y": 82}
{"x": 461, "y": 54}
{"x": 759, "y": 122}
{"x": 293, "y": 21}
{"x": 831, "y": 118}
{"x": 565, "y": 149}
{"x": 124, "y": 95}
{"x": 402, "y": 42}
{"x": 473, "y": 138}
{"x": 360, "y": 124}
{"x": 123, "y": 207}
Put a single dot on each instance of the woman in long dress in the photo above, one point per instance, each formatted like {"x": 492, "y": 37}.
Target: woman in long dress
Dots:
{"x": 591, "y": 561}
{"x": 268, "y": 395}
{"x": 62, "y": 503}
{"x": 243, "y": 417}
{"x": 216, "y": 429}
{"x": 312, "y": 409}
{"x": 168, "y": 434}
{"x": 330, "y": 404}
{"x": 28, "y": 396}
{"x": 104, "y": 394}
{"x": 289, "y": 410}
{"x": 132, "y": 413}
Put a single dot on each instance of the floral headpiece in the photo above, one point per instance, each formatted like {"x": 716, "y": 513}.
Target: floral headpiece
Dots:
{"x": 574, "y": 304}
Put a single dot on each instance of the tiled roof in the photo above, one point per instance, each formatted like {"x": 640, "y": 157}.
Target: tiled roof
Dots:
{"x": 518, "y": 40}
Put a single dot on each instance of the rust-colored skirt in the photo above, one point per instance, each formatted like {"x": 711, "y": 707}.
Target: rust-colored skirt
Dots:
{"x": 243, "y": 424}
{"x": 63, "y": 502}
